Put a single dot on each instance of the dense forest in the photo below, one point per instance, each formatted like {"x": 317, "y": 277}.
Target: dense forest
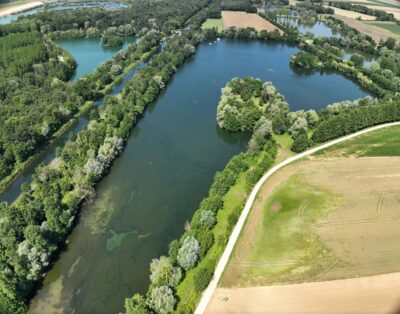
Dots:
{"x": 38, "y": 99}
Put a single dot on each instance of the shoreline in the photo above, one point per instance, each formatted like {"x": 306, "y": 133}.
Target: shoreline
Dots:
{"x": 20, "y": 8}
{"x": 208, "y": 293}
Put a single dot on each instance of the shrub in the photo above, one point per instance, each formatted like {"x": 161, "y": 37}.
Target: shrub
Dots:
{"x": 161, "y": 300}
{"x": 202, "y": 278}
{"x": 188, "y": 253}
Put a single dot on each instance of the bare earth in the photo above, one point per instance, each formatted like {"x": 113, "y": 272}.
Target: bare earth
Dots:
{"x": 367, "y": 28}
{"x": 243, "y": 20}
{"x": 20, "y": 8}
{"x": 376, "y": 294}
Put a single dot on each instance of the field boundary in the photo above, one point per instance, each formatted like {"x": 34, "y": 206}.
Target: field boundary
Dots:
{"x": 208, "y": 293}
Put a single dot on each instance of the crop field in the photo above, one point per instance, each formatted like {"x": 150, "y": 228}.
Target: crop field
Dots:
{"x": 368, "y": 28}
{"x": 243, "y": 20}
{"x": 352, "y": 14}
{"x": 211, "y": 23}
{"x": 385, "y": 142}
{"x": 394, "y": 28}
{"x": 320, "y": 224}
{"x": 312, "y": 221}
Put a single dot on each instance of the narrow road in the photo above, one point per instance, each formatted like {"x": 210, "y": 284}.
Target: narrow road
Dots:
{"x": 207, "y": 295}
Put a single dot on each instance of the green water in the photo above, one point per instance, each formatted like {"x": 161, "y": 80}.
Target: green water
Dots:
{"x": 164, "y": 173}
{"x": 89, "y": 53}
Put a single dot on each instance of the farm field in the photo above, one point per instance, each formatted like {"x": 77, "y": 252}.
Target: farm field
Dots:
{"x": 18, "y": 6}
{"x": 374, "y": 3}
{"x": 311, "y": 221}
{"x": 394, "y": 28}
{"x": 385, "y": 142}
{"x": 352, "y": 14}
{"x": 318, "y": 225}
{"x": 381, "y": 293}
{"x": 368, "y": 28}
{"x": 211, "y": 23}
{"x": 243, "y": 20}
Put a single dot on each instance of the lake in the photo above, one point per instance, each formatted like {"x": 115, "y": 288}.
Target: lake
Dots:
{"x": 89, "y": 53}
{"x": 165, "y": 171}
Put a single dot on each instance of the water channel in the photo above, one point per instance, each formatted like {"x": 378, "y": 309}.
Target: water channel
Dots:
{"x": 165, "y": 171}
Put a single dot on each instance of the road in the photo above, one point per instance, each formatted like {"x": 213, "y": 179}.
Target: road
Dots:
{"x": 208, "y": 293}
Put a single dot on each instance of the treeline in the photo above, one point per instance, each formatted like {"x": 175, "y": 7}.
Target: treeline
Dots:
{"x": 380, "y": 14}
{"x": 139, "y": 17}
{"x": 350, "y": 121}
{"x": 380, "y": 78}
{"x": 32, "y": 229}
{"x": 34, "y": 105}
{"x": 177, "y": 280}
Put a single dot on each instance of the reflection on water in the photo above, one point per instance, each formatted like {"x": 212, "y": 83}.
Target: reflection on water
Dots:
{"x": 317, "y": 29}
{"x": 165, "y": 171}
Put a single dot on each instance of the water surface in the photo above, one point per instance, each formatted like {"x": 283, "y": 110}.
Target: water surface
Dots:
{"x": 317, "y": 29}
{"x": 89, "y": 53}
{"x": 165, "y": 171}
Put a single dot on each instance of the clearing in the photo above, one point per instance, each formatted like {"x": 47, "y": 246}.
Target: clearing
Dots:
{"x": 243, "y": 20}
{"x": 213, "y": 23}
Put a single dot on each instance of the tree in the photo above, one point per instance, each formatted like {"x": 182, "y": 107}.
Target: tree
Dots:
{"x": 300, "y": 143}
{"x": 161, "y": 300}
{"x": 164, "y": 273}
{"x": 136, "y": 305}
{"x": 357, "y": 59}
{"x": 188, "y": 253}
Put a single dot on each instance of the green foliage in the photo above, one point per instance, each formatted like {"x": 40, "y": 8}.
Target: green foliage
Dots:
{"x": 203, "y": 278}
{"x": 357, "y": 119}
{"x": 300, "y": 143}
{"x": 136, "y": 305}
{"x": 110, "y": 40}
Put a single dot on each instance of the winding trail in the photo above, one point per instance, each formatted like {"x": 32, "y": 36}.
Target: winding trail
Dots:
{"x": 208, "y": 293}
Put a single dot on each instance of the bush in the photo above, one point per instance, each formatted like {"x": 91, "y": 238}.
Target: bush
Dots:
{"x": 300, "y": 143}
{"x": 161, "y": 300}
{"x": 188, "y": 253}
{"x": 202, "y": 278}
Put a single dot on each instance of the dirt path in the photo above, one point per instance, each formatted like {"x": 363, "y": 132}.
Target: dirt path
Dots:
{"x": 20, "y": 8}
{"x": 376, "y": 294}
{"x": 208, "y": 293}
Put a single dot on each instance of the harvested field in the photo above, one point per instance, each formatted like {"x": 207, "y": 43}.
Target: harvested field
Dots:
{"x": 352, "y": 14}
{"x": 19, "y": 8}
{"x": 377, "y": 294}
{"x": 394, "y": 11}
{"x": 243, "y": 20}
{"x": 377, "y": 33}
{"x": 336, "y": 219}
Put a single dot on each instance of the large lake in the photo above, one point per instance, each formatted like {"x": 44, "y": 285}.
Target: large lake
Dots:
{"x": 164, "y": 173}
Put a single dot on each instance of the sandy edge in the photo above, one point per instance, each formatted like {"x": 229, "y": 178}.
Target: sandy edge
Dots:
{"x": 20, "y": 8}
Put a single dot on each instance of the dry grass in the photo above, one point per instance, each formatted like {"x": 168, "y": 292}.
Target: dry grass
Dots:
{"x": 352, "y": 14}
{"x": 19, "y": 8}
{"x": 368, "y": 28}
{"x": 357, "y": 236}
{"x": 243, "y": 20}
{"x": 377, "y": 294}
